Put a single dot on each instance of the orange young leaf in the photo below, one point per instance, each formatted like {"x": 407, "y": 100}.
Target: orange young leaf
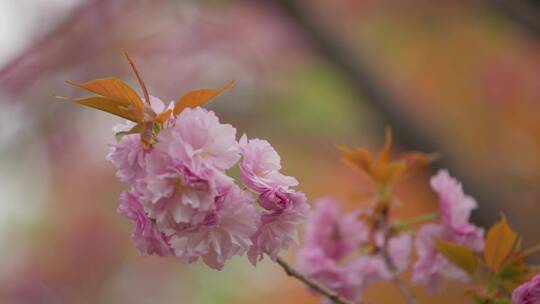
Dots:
{"x": 199, "y": 97}
{"x": 163, "y": 116}
{"x": 458, "y": 254}
{"x": 118, "y": 92}
{"x": 358, "y": 158}
{"x": 386, "y": 152}
{"x": 110, "y": 106}
{"x": 501, "y": 241}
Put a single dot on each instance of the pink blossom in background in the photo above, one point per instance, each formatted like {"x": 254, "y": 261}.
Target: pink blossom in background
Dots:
{"x": 260, "y": 165}
{"x": 332, "y": 252}
{"x": 336, "y": 234}
{"x": 148, "y": 239}
{"x": 528, "y": 292}
{"x": 400, "y": 249}
{"x": 329, "y": 237}
{"x": 431, "y": 267}
{"x": 455, "y": 207}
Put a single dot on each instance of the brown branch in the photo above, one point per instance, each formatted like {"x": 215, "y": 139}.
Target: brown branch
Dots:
{"x": 357, "y": 71}
{"x": 524, "y": 14}
{"x": 290, "y": 271}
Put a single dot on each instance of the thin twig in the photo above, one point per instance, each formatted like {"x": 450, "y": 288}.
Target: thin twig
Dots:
{"x": 407, "y": 294}
{"x": 139, "y": 78}
{"x": 290, "y": 271}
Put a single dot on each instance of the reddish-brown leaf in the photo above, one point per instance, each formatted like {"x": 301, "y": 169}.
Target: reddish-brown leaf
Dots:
{"x": 116, "y": 90}
{"x": 501, "y": 241}
{"x": 199, "y": 97}
{"x": 111, "y": 106}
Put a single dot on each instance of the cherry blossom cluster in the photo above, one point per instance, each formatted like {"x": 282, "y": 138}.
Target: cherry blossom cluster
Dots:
{"x": 338, "y": 253}
{"x": 184, "y": 203}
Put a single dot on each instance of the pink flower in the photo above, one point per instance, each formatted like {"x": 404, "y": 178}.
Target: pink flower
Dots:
{"x": 432, "y": 267}
{"x": 198, "y": 133}
{"x": 148, "y": 239}
{"x": 337, "y": 235}
{"x": 332, "y": 251}
{"x": 128, "y": 156}
{"x": 365, "y": 270}
{"x": 260, "y": 165}
{"x": 528, "y": 292}
{"x": 399, "y": 249}
{"x": 225, "y": 232}
{"x": 178, "y": 192}
{"x": 455, "y": 207}
{"x": 329, "y": 237}
{"x": 278, "y": 227}
{"x": 313, "y": 263}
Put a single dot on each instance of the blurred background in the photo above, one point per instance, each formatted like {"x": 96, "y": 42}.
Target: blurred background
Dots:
{"x": 458, "y": 77}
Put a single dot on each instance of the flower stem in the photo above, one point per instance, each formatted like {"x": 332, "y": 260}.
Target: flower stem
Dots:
{"x": 290, "y": 271}
{"x": 407, "y": 294}
{"x": 404, "y": 224}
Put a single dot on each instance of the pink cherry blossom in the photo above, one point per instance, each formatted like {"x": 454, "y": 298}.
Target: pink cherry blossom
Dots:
{"x": 148, "y": 239}
{"x": 225, "y": 232}
{"x": 332, "y": 252}
{"x": 455, "y": 207}
{"x": 336, "y": 234}
{"x": 278, "y": 227}
{"x": 198, "y": 132}
{"x": 315, "y": 264}
{"x": 184, "y": 192}
{"x": 329, "y": 237}
{"x": 260, "y": 165}
{"x": 400, "y": 249}
{"x": 528, "y": 292}
{"x": 365, "y": 270}
{"x": 432, "y": 267}
{"x": 128, "y": 156}
{"x": 177, "y": 192}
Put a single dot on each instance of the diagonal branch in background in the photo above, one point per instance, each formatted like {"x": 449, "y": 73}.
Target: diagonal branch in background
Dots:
{"x": 524, "y": 14}
{"x": 364, "y": 83}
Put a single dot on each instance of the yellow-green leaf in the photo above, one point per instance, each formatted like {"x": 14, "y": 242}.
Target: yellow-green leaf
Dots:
{"x": 116, "y": 90}
{"x": 458, "y": 254}
{"x": 501, "y": 240}
{"x": 111, "y": 106}
{"x": 199, "y": 97}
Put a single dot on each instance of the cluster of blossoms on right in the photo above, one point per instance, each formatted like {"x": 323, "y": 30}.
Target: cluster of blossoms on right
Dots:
{"x": 348, "y": 252}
